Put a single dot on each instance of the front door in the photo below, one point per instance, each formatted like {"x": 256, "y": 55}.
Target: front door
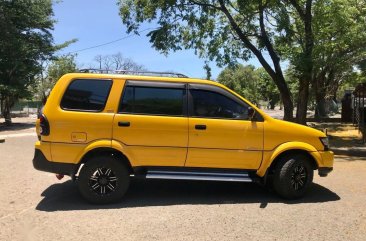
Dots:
{"x": 220, "y": 132}
{"x": 152, "y": 123}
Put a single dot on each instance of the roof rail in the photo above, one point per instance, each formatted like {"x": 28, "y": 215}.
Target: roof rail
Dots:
{"x": 133, "y": 72}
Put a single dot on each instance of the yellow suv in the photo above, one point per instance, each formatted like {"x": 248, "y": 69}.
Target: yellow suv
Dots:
{"x": 104, "y": 129}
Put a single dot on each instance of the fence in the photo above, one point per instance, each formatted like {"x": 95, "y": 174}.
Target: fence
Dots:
{"x": 25, "y": 108}
{"x": 359, "y": 109}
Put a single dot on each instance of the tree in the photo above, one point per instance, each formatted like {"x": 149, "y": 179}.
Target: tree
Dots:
{"x": 302, "y": 59}
{"x": 267, "y": 89}
{"x": 361, "y": 65}
{"x": 25, "y": 42}
{"x": 117, "y": 62}
{"x": 340, "y": 44}
{"x": 224, "y": 31}
{"x": 323, "y": 41}
{"x": 253, "y": 84}
{"x": 241, "y": 79}
{"x": 310, "y": 34}
{"x": 207, "y": 69}
{"x": 53, "y": 70}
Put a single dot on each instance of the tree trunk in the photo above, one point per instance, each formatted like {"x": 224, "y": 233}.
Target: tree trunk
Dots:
{"x": 324, "y": 84}
{"x": 302, "y": 101}
{"x": 320, "y": 93}
{"x": 276, "y": 73}
{"x": 272, "y": 104}
{"x": 6, "y": 106}
{"x": 320, "y": 109}
{"x": 288, "y": 107}
{"x": 306, "y": 60}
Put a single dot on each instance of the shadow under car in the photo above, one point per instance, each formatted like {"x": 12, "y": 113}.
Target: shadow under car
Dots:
{"x": 65, "y": 196}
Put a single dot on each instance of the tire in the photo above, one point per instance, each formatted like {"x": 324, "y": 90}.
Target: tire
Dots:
{"x": 293, "y": 176}
{"x": 103, "y": 180}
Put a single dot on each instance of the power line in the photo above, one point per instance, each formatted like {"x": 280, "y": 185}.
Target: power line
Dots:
{"x": 111, "y": 42}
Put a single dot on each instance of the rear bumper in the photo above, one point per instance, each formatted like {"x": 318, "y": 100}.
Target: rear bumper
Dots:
{"x": 41, "y": 163}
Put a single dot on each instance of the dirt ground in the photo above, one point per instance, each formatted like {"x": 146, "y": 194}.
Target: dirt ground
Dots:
{"x": 345, "y": 139}
{"x": 37, "y": 206}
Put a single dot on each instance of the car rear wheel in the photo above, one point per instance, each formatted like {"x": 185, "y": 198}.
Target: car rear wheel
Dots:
{"x": 293, "y": 176}
{"x": 103, "y": 179}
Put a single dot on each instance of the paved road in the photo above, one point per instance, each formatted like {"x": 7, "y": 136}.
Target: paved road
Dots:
{"x": 36, "y": 206}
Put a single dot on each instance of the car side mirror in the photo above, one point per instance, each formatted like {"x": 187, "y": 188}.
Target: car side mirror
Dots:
{"x": 251, "y": 113}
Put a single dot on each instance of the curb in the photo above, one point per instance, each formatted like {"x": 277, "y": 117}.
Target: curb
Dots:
{"x": 352, "y": 152}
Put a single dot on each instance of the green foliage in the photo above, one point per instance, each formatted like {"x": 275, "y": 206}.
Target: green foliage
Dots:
{"x": 361, "y": 65}
{"x": 53, "y": 70}
{"x": 241, "y": 79}
{"x": 207, "y": 69}
{"x": 25, "y": 42}
{"x": 25, "y": 39}
{"x": 197, "y": 25}
{"x": 349, "y": 82}
{"x": 267, "y": 89}
{"x": 339, "y": 43}
{"x": 321, "y": 39}
{"x": 253, "y": 84}
{"x": 60, "y": 66}
{"x": 224, "y": 31}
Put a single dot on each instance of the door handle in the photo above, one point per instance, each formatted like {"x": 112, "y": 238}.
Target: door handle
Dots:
{"x": 200, "y": 127}
{"x": 124, "y": 123}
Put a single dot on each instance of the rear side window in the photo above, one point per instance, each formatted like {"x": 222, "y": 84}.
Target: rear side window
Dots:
{"x": 152, "y": 100}
{"x": 86, "y": 95}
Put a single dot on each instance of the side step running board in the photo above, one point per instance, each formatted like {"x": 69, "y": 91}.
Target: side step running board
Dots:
{"x": 207, "y": 176}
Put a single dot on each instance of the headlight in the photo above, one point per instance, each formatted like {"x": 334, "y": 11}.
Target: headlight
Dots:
{"x": 325, "y": 142}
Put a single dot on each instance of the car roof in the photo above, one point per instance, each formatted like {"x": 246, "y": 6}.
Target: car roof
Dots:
{"x": 141, "y": 78}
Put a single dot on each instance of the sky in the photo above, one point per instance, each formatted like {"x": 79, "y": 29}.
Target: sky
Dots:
{"x": 96, "y": 22}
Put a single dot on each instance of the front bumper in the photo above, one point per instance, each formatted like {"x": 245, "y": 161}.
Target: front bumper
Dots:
{"x": 327, "y": 163}
{"x": 41, "y": 163}
{"x": 324, "y": 171}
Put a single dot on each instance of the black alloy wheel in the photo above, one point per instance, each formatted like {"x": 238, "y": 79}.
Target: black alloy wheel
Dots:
{"x": 299, "y": 177}
{"x": 103, "y": 180}
{"x": 293, "y": 175}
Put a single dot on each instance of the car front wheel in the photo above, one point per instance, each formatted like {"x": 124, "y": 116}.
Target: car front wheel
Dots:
{"x": 293, "y": 176}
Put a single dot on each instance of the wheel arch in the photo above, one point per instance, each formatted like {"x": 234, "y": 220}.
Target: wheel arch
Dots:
{"x": 108, "y": 151}
{"x": 270, "y": 159}
{"x": 313, "y": 162}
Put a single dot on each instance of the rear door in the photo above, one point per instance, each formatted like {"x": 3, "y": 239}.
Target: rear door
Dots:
{"x": 152, "y": 123}
{"x": 82, "y": 116}
{"x": 220, "y": 132}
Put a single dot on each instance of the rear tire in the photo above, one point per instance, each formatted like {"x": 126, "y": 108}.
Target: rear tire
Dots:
{"x": 293, "y": 175}
{"x": 103, "y": 180}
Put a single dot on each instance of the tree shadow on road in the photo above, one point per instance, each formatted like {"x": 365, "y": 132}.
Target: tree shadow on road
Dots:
{"x": 16, "y": 126}
{"x": 145, "y": 193}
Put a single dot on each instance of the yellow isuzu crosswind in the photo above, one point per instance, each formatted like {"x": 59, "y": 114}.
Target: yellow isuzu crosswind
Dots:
{"x": 105, "y": 129}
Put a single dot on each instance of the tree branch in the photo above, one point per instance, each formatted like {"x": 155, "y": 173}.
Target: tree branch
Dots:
{"x": 298, "y": 8}
{"x": 266, "y": 40}
{"x": 204, "y": 4}
{"x": 246, "y": 41}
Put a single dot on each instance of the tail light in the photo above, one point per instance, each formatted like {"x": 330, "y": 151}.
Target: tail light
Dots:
{"x": 44, "y": 126}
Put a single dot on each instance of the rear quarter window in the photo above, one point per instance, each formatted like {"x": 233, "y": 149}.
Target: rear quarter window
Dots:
{"x": 86, "y": 95}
